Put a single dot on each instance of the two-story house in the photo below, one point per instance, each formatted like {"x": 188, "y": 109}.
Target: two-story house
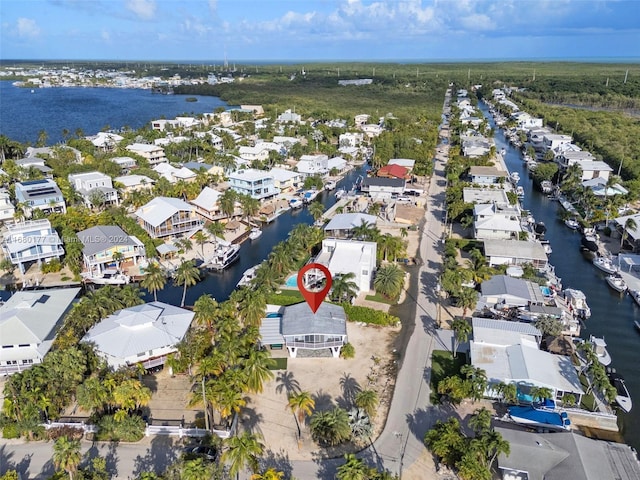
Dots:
{"x": 133, "y": 183}
{"x": 33, "y": 241}
{"x": 102, "y": 242}
{"x": 173, "y": 174}
{"x": 255, "y": 183}
{"x": 486, "y": 175}
{"x": 153, "y": 153}
{"x": 40, "y": 194}
{"x": 91, "y": 184}
{"x": 286, "y": 180}
{"x": 311, "y": 165}
{"x": 165, "y": 216}
{"x": 350, "y": 256}
{"x": 7, "y": 210}
{"x": 496, "y": 221}
{"x": 207, "y": 205}
{"x": 105, "y": 141}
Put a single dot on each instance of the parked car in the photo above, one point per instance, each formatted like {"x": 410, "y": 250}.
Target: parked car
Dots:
{"x": 202, "y": 451}
{"x": 404, "y": 199}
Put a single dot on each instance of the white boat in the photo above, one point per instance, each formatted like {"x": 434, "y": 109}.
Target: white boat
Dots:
{"x": 623, "y": 399}
{"x": 514, "y": 177}
{"x": 605, "y": 264}
{"x": 247, "y": 277}
{"x": 577, "y": 302}
{"x": 546, "y": 186}
{"x": 255, "y": 233}
{"x": 295, "y": 203}
{"x": 110, "y": 276}
{"x": 635, "y": 294}
{"x": 224, "y": 256}
{"x": 341, "y": 192}
{"x": 330, "y": 185}
{"x": 572, "y": 223}
{"x": 503, "y": 152}
{"x": 547, "y": 247}
{"x": 520, "y": 192}
{"x": 617, "y": 283}
{"x": 310, "y": 195}
{"x": 600, "y": 349}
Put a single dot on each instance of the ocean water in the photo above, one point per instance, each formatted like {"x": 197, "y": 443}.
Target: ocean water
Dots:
{"x": 24, "y": 114}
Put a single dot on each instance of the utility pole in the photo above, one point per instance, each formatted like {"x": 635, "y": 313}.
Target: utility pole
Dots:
{"x": 625, "y": 76}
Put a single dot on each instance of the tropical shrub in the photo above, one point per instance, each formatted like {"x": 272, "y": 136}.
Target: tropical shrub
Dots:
{"x": 348, "y": 351}
{"x": 129, "y": 429}
{"x": 71, "y": 433}
{"x": 52, "y": 266}
{"x": 369, "y": 315}
{"x": 330, "y": 427}
{"x": 10, "y": 430}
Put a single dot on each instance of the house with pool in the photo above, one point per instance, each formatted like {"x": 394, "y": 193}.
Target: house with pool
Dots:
{"x": 300, "y": 330}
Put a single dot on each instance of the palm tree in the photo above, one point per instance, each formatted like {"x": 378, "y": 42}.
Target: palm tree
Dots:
{"x": 365, "y": 231}
{"x": 195, "y": 469}
{"x": 252, "y": 305}
{"x": 154, "y": 279}
{"x": 480, "y": 421}
{"x": 316, "y": 209}
{"x": 343, "y": 287}
{"x": 250, "y": 206}
{"x": 508, "y": 392}
{"x": 629, "y": 224}
{"x": 216, "y": 229}
{"x": 206, "y": 310}
{"x": 242, "y": 451}
{"x": 389, "y": 280}
{"x": 301, "y": 405}
{"x": 352, "y": 469}
{"x": 66, "y": 455}
{"x": 367, "y": 400}
{"x": 255, "y": 368}
{"x": 461, "y": 331}
{"x": 268, "y": 474}
{"x": 467, "y": 298}
{"x": 227, "y": 202}
{"x": 184, "y": 244}
{"x": 330, "y": 427}
{"x": 200, "y": 239}
{"x": 187, "y": 275}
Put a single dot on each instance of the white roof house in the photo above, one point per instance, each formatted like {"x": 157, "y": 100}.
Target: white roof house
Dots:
{"x": 7, "y": 210}
{"x": 338, "y": 163}
{"x": 206, "y": 203}
{"x": 28, "y": 324}
{"x": 403, "y": 162}
{"x": 485, "y": 195}
{"x": 166, "y": 216}
{"x": 173, "y": 174}
{"x": 310, "y": 165}
{"x": 350, "y": 256}
{"x": 135, "y": 182}
{"x": 124, "y": 162}
{"x": 288, "y": 116}
{"x": 105, "y": 141}
{"x": 595, "y": 169}
{"x": 31, "y": 241}
{"x": 285, "y": 179}
{"x": 342, "y": 224}
{"x": 153, "y": 153}
{"x": 508, "y": 352}
{"x": 87, "y": 183}
{"x": 142, "y": 334}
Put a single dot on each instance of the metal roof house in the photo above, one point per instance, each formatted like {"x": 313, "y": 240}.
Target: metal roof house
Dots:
{"x": 143, "y": 334}
{"x": 41, "y": 194}
{"x": 166, "y": 216}
{"x": 342, "y": 224}
{"x": 350, "y": 256}
{"x": 100, "y": 243}
{"x": 31, "y": 241}
{"x": 515, "y": 252}
{"x": 300, "y": 329}
{"x": 506, "y": 291}
{"x": 29, "y": 321}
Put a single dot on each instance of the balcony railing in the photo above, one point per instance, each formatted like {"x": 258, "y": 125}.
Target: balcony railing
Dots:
{"x": 314, "y": 345}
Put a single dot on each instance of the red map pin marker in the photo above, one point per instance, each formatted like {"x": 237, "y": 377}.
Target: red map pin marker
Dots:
{"x": 314, "y": 299}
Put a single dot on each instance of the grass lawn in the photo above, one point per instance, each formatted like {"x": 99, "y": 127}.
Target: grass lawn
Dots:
{"x": 285, "y": 297}
{"x": 381, "y": 299}
{"x": 280, "y": 364}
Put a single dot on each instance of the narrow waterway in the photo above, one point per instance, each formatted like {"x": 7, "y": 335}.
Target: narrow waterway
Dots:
{"x": 220, "y": 284}
{"x": 612, "y": 314}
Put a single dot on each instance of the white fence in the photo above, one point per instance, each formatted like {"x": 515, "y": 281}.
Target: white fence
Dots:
{"x": 87, "y": 428}
{"x": 183, "y": 432}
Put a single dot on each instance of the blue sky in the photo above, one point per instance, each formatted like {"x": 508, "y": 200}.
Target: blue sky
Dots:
{"x": 318, "y": 29}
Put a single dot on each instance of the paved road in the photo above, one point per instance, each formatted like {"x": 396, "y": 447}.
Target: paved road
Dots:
{"x": 410, "y": 413}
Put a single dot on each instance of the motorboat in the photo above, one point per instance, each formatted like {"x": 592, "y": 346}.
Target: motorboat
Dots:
{"x": 295, "y": 203}
{"x": 330, "y": 185}
{"x": 635, "y": 294}
{"x": 340, "y": 193}
{"x": 617, "y": 283}
{"x": 545, "y": 418}
{"x": 110, "y": 276}
{"x": 310, "y": 195}
{"x": 577, "y": 302}
{"x": 514, "y": 177}
{"x": 223, "y": 256}
{"x": 600, "y": 349}
{"x": 572, "y": 223}
{"x": 547, "y": 246}
{"x": 540, "y": 229}
{"x": 546, "y": 186}
{"x": 255, "y": 233}
{"x": 623, "y": 399}
{"x": 247, "y": 277}
{"x": 605, "y": 264}
{"x": 520, "y": 192}
{"x": 503, "y": 152}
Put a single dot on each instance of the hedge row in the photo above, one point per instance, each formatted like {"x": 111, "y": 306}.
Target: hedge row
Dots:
{"x": 369, "y": 315}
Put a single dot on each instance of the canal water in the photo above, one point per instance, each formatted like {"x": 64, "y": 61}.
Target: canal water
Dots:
{"x": 220, "y": 284}
{"x": 612, "y": 314}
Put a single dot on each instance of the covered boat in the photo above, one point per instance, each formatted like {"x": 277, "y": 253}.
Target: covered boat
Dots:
{"x": 540, "y": 417}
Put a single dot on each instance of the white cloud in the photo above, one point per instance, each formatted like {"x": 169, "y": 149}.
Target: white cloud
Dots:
{"x": 477, "y": 21}
{"x": 27, "y": 28}
{"x": 106, "y": 36}
{"x": 145, "y": 9}
{"x": 213, "y": 7}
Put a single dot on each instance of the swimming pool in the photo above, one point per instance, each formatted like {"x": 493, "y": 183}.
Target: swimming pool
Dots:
{"x": 546, "y": 291}
{"x": 292, "y": 281}
{"x": 274, "y": 315}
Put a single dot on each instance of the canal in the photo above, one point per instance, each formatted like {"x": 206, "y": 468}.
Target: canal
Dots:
{"x": 612, "y": 314}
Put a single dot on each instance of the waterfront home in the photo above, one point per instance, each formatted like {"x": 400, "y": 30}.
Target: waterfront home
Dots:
{"x": 152, "y": 153}
{"x": 260, "y": 151}
{"x": 90, "y": 183}
{"x": 407, "y": 163}
{"x": 515, "y": 252}
{"x": 289, "y": 117}
{"x": 476, "y": 145}
{"x": 298, "y": 328}
{"x": 524, "y": 121}
{"x": 337, "y": 164}
{"x": 509, "y": 353}
{"x": 29, "y": 321}
{"x": 486, "y": 175}
{"x": 312, "y": 165}
{"x": 485, "y": 195}
{"x": 285, "y": 180}
{"x": 383, "y": 188}
{"x": 101, "y": 243}
{"x": 145, "y": 334}
{"x": 496, "y": 221}
{"x": 567, "y": 158}
{"x": 560, "y": 456}
{"x": 105, "y": 141}
{"x": 173, "y": 174}
{"x": 170, "y": 139}
{"x": 255, "y": 183}
{"x": 595, "y": 169}
{"x": 350, "y": 256}
{"x": 133, "y": 183}
{"x": 214, "y": 140}
{"x": 43, "y": 195}
{"x": 165, "y": 216}
{"x": 213, "y": 170}
{"x": 632, "y": 235}
{"x": 7, "y": 210}
{"x": 361, "y": 119}
{"x": 551, "y": 141}
{"x": 503, "y": 291}
{"x": 125, "y": 163}
{"x": 54, "y": 152}
{"x": 350, "y": 139}
{"x": 599, "y": 187}
{"x": 393, "y": 171}
{"x": 36, "y": 163}
{"x": 33, "y": 241}
{"x": 207, "y": 205}
{"x": 342, "y": 224}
